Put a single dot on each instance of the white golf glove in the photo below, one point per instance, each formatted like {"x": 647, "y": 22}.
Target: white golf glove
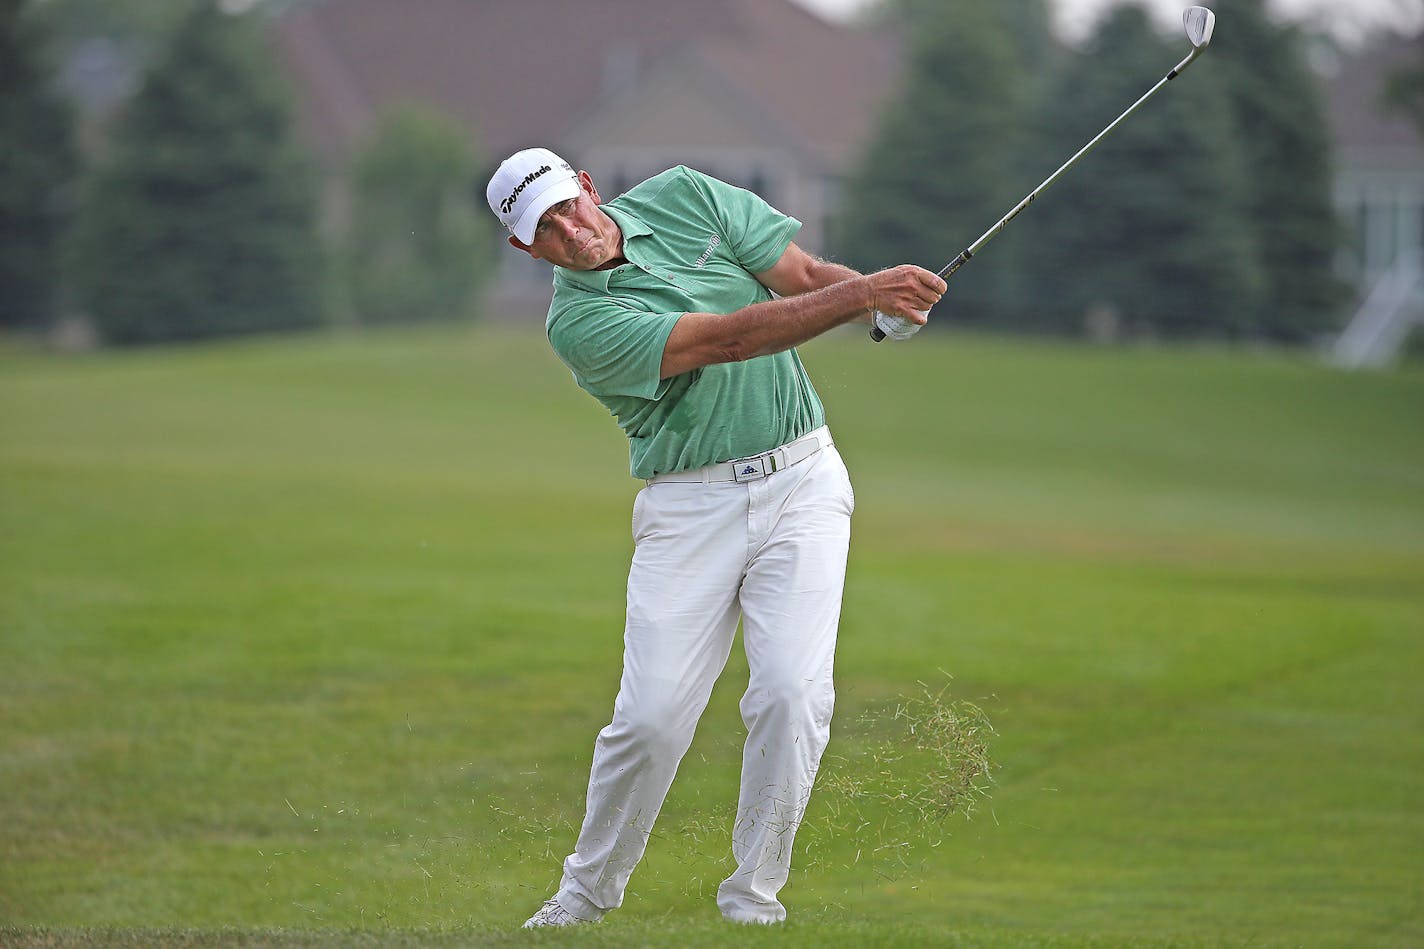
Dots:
{"x": 896, "y": 327}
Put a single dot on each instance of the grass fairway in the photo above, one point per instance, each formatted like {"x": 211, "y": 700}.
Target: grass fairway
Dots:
{"x": 307, "y": 642}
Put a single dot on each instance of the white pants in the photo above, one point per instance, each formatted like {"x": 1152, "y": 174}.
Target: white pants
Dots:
{"x": 774, "y": 552}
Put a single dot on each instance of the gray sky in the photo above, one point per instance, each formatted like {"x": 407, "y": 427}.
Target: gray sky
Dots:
{"x": 1348, "y": 18}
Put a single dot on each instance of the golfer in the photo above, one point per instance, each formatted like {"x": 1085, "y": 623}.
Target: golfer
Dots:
{"x": 677, "y": 305}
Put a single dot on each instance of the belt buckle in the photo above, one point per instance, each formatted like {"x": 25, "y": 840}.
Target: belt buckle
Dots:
{"x": 749, "y": 469}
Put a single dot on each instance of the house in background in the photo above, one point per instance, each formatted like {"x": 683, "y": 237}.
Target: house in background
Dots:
{"x": 1379, "y": 191}
{"x": 760, "y": 93}
{"x": 1379, "y": 160}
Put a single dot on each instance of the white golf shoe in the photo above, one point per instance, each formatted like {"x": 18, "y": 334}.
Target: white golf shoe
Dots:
{"x": 552, "y": 914}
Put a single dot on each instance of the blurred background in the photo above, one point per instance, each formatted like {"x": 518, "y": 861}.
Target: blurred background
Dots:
{"x": 312, "y": 556}
{"x": 179, "y": 169}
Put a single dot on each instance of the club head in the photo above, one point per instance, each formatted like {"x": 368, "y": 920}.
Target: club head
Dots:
{"x": 1199, "y": 22}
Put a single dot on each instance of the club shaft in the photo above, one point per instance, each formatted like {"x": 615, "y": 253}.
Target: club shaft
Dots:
{"x": 993, "y": 232}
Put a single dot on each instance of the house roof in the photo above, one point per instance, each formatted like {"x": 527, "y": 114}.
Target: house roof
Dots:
{"x": 827, "y": 82}
{"x": 480, "y": 62}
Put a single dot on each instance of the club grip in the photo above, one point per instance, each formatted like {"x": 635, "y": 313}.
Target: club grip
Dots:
{"x": 876, "y": 335}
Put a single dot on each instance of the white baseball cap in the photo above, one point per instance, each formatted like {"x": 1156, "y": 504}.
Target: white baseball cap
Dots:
{"x": 527, "y": 184}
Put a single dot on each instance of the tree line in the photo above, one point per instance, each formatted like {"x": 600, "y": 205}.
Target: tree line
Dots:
{"x": 1208, "y": 213}
{"x": 194, "y": 213}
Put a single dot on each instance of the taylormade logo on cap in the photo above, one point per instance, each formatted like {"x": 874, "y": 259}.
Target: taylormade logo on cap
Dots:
{"x": 507, "y": 204}
{"x": 527, "y": 184}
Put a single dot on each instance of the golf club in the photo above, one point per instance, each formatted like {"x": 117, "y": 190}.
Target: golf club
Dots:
{"x": 1199, "y": 23}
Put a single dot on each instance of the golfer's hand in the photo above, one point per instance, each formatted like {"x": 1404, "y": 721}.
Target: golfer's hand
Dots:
{"x": 901, "y": 300}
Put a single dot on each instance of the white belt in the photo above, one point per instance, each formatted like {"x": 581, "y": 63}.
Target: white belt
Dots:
{"x": 753, "y": 467}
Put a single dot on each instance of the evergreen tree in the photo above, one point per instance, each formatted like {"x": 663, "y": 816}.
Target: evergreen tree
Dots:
{"x": 1038, "y": 58}
{"x": 201, "y": 224}
{"x": 37, "y": 164}
{"x": 1278, "y": 104}
{"x": 1152, "y": 225}
{"x": 136, "y": 25}
{"x": 942, "y": 165}
{"x": 420, "y": 243}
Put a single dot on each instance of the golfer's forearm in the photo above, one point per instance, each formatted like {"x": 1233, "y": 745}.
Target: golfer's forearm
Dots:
{"x": 827, "y": 274}
{"x": 798, "y": 272}
{"x": 704, "y": 339}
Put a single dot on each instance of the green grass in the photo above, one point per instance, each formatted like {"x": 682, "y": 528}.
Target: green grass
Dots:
{"x": 306, "y": 642}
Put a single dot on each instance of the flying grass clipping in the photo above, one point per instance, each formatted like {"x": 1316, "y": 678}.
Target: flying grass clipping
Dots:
{"x": 911, "y": 770}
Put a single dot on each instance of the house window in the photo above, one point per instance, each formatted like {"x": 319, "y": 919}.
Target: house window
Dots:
{"x": 1362, "y": 231}
{"x": 1379, "y": 234}
{"x": 757, "y": 183}
{"x": 752, "y": 177}
{"x": 1414, "y": 236}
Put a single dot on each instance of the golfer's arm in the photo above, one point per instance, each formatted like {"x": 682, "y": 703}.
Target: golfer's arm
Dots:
{"x": 816, "y": 296}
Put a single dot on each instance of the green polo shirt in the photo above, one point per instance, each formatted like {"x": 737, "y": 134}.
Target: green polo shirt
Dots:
{"x": 693, "y": 244}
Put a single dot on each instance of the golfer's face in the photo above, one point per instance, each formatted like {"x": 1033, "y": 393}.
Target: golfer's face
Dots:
{"x": 575, "y": 234}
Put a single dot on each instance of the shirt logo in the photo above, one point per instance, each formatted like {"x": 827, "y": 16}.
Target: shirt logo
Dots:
{"x": 707, "y": 254}
{"x": 508, "y": 203}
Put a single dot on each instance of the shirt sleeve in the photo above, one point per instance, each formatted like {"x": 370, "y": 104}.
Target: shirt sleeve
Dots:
{"x": 614, "y": 350}
{"x": 757, "y": 233}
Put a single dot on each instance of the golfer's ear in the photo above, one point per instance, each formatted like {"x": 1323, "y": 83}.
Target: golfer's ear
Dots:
{"x": 586, "y": 183}
{"x": 518, "y": 244}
